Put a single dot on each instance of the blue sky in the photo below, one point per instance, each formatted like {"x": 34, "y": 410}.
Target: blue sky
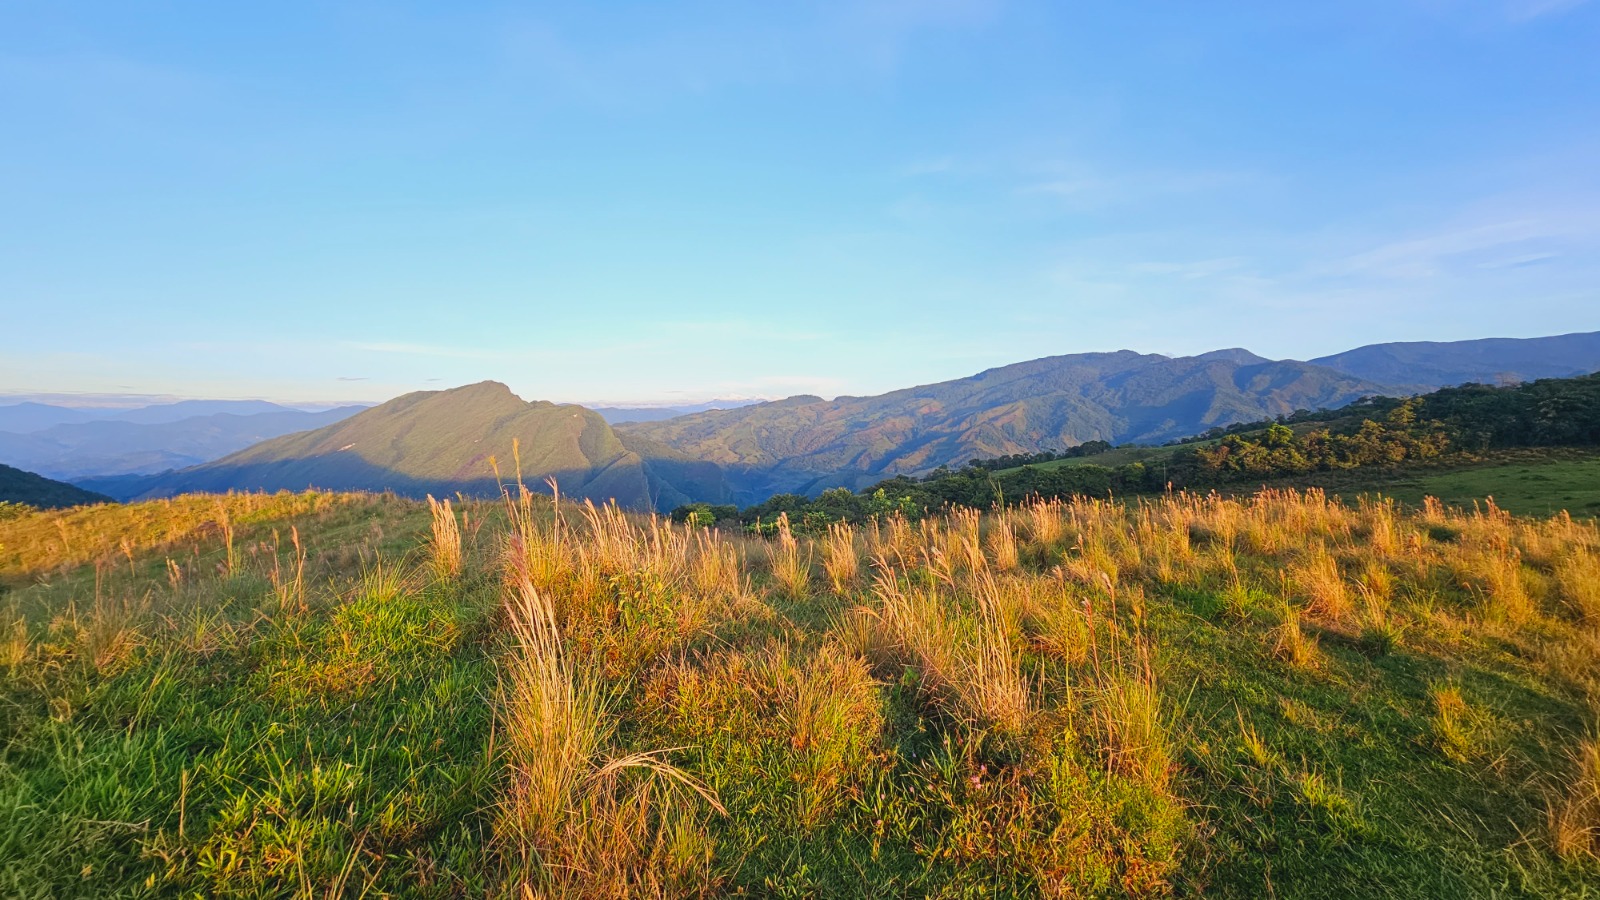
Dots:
{"x": 654, "y": 202}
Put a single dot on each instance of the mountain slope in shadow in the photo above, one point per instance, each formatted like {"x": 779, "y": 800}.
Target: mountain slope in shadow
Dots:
{"x": 18, "y": 486}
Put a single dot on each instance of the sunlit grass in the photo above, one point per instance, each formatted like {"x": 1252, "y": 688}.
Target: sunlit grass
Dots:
{"x": 310, "y": 694}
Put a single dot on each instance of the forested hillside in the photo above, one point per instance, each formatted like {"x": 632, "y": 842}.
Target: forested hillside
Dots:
{"x": 28, "y": 489}
{"x": 805, "y": 443}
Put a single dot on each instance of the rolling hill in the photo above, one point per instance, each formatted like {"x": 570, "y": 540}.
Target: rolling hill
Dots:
{"x": 17, "y": 486}
{"x": 441, "y": 442}
{"x": 806, "y": 443}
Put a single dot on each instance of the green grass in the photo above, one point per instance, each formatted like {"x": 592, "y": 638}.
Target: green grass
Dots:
{"x": 1112, "y": 458}
{"x": 1524, "y": 482}
{"x": 1352, "y": 799}
{"x": 218, "y": 732}
{"x": 1528, "y": 483}
{"x": 196, "y": 738}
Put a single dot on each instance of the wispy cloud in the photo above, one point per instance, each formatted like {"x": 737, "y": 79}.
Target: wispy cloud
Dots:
{"x": 1519, "y": 262}
{"x": 1499, "y": 267}
{"x": 1084, "y": 186}
{"x": 1525, "y": 237}
{"x": 1527, "y": 10}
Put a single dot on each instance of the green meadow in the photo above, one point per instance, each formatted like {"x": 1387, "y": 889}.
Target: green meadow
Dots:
{"x": 357, "y": 695}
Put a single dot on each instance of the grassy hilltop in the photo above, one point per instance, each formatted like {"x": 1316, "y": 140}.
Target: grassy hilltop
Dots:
{"x": 345, "y": 694}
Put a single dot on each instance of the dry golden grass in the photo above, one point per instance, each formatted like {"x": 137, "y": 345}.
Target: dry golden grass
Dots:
{"x": 1137, "y": 741}
{"x": 1046, "y": 522}
{"x": 111, "y": 630}
{"x": 824, "y": 710}
{"x": 1578, "y": 574}
{"x": 1497, "y": 573}
{"x": 1054, "y": 619}
{"x": 970, "y": 683}
{"x": 963, "y": 544}
{"x": 966, "y": 655}
{"x": 444, "y": 550}
{"x": 1574, "y": 815}
{"x": 1318, "y": 580}
{"x": 225, "y": 522}
{"x": 290, "y": 590}
{"x": 632, "y": 587}
{"x": 840, "y": 558}
{"x": 1002, "y": 542}
{"x": 1292, "y": 645}
{"x": 714, "y": 567}
{"x": 860, "y": 630}
{"x": 14, "y": 643}
{"x": 789, "y": 562}
{"x": 1453, "y": 728}
{"x": 584, "y": 822}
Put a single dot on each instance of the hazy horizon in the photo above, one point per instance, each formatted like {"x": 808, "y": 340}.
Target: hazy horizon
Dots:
{"x": 666, "y": 399}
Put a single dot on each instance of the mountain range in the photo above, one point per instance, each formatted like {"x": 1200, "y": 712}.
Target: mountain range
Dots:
{"x": 1421, "y": 366}
{"x": 441, "y": 441}
{"x": 30, "y": 416}
{"x": 149, "y": 441}
{"x": 805, "y": 444}
{"x": 616, "y": 415}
